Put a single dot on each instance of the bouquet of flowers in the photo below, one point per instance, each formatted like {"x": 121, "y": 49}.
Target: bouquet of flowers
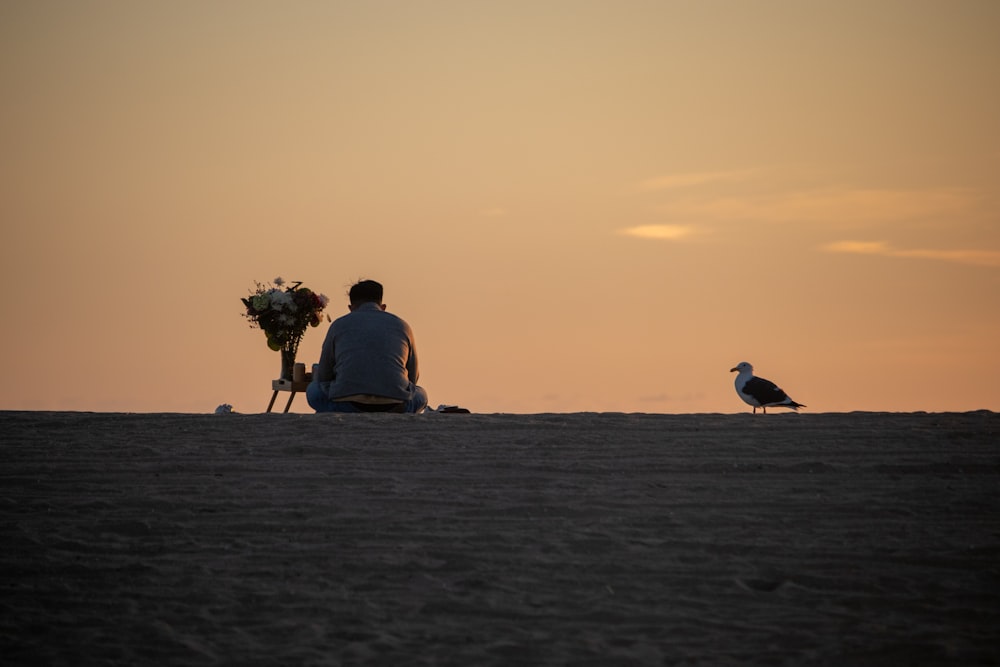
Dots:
{"x": 283, "y": 314}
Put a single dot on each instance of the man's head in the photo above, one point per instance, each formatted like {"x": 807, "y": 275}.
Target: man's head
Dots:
{"x": 366, "y": 291}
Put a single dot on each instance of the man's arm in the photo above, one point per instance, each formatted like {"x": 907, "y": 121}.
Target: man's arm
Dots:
{"x": 412, "y": 372}
{"x": 324, "y": 369}
{"x": 412, "y": 369}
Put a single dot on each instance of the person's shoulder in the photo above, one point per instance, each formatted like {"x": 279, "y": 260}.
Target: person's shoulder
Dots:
{"x": 398, "y": 320}
{"x": 394, "y": 316}
{"x": 342, "y": 321}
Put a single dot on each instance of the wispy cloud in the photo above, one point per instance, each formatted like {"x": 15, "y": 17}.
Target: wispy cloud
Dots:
{"x": 660, "y": 232}
{"x": 858, "y": 247}
{"x": 842, "y": 207}
{"x": 976, "y": 257}
{"x": 690, "y": 179}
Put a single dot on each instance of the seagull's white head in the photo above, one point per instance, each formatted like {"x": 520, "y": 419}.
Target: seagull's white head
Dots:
{"x": 741, "y": 367}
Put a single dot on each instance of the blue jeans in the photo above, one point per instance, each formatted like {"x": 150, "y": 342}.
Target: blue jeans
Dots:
{"x": 316, "y": 395}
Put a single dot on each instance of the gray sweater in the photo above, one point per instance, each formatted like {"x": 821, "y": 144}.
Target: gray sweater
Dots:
{"x": 368, "y": 351}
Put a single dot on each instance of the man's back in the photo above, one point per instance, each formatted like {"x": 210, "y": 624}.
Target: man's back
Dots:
{"x": 371, "y": 352}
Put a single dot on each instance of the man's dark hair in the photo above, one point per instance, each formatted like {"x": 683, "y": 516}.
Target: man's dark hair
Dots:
{"x": 366, "y": 291}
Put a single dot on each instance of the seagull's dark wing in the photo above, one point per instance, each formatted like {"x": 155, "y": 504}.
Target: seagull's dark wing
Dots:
{"x": 765, "y": 391}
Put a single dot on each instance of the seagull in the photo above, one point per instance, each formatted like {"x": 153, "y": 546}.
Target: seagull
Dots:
{"x": 760, "y": 393}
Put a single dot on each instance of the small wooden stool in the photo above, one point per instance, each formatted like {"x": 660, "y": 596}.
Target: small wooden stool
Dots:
{"x": 286, "y": 385}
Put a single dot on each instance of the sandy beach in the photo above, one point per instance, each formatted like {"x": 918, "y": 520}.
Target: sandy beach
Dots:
{"x": 555, "y": 539}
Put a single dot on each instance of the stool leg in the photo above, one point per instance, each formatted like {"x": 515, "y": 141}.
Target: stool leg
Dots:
{"x": 289, "y": 403}
{"x": 271, "y": 404}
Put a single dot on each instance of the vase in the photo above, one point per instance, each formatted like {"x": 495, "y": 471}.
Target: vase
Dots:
{"x": 287, "y": 362}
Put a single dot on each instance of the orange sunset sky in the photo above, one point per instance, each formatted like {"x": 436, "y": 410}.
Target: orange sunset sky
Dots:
{"x": 577, "y": 205}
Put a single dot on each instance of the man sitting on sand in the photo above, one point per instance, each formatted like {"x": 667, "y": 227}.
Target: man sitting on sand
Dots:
{"x": 368, "y": 362}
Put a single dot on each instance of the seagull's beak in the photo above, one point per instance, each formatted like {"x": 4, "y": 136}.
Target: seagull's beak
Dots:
{"x": 733, "y": 370}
